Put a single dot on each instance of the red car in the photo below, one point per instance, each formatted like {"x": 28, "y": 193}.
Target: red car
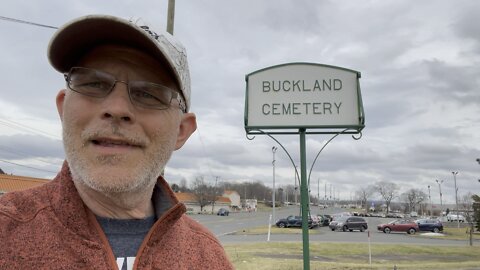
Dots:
{"x": 401, "y": 225}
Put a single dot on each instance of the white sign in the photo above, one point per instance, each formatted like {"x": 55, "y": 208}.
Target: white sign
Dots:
{"x": 303, "y": 95}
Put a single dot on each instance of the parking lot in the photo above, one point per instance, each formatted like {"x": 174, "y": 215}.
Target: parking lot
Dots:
{"x": 230, "y": 229}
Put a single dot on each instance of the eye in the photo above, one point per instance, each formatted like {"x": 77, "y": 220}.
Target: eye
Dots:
{"x": 94, "y": 84}
{"x": 141, "y": 94}
{"x": 149, "y": 94}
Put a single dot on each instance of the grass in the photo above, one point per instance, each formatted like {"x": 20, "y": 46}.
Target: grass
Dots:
{"x": 341, "y": 256}
{"x": 454, "y": 234}
{"x": 448, "y": 233}
{"x": 274, "y": 230}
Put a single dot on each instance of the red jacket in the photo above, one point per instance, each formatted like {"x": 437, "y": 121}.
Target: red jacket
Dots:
{"x": 49, "y": 227}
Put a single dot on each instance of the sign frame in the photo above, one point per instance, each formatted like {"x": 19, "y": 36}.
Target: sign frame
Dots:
{"x": 309, "y": 129}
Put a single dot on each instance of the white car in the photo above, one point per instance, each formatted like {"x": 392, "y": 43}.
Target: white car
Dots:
{"x": 454, "y": 217}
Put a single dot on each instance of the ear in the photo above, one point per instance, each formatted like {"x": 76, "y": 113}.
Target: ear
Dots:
{"x": 60, "y": 101}
{"x": 188, "y": 125}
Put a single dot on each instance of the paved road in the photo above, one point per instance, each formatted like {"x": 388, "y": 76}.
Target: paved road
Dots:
{"x": 225, "y": 227}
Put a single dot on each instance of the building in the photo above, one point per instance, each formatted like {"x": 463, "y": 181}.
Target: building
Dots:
{"x": 10, "y": 183}
{"x": 193, "y": 206}
{"x": 230, "y": 200}
{"x": 234, "y": 198}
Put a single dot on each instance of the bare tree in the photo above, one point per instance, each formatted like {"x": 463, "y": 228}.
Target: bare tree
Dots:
{"x": 363, "y": 194}
{"x": 413, "y": 197}
{"x": 183, "y": 185}
{"x": 388, "y": 191}
{"x": 476, "y": 210}
{"x": 467, "y": 205}
{"x": 175, "y": 187}
{"x": 250, "y": 190}
{"x": 204, "y": 193}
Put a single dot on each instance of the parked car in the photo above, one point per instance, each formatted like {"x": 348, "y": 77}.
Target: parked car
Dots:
{"x": 342, "y": 214}
{"x": 315, "y": 220}
{"x": 329, "y": 218}
{"x": 294, "y": 221}
{"x": 455, "y": 217}
{"x": 375, "y": 214}
{"x": 324, "y": 220}
{"x": 223, "y": 212}
{"x": 348, "y": 224}
{"x": 430, "y": 225}
{"x": 400, "y": 225}
{"x": 393, "y": 215}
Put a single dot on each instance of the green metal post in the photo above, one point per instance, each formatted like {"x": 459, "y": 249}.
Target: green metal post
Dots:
{"x": 304, "y": 200}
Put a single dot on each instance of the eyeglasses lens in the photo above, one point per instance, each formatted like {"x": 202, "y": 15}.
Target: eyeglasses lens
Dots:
{"x": 97, "y": 83}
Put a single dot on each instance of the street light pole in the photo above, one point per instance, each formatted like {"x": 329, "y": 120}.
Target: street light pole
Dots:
{"x": 331, "y": 194}
{"x": 334, "y": 195}
{"x": 325, "y": 196}
{"x": 439, "y": 182}
{"x": 318, "y": 192}
{"x": 456, "y": 197}
{"x": 295, "y": 184}
{"x": 274, "y": 149}
{"x": 430, "y": 200}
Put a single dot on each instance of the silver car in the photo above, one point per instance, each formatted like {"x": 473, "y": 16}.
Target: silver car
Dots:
{"x": 348, "y": 224}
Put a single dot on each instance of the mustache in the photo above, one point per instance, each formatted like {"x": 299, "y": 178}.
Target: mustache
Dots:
{"x": 113, "y": 132}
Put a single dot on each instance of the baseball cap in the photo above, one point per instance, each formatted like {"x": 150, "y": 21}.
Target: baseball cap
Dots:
{"x": 75, "y": 38}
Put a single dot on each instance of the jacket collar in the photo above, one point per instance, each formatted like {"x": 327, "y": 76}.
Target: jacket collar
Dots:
{"x": 74, "y": 214}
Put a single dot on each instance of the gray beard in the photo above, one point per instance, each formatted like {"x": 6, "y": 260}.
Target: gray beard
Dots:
{"x": 143, "y": 176}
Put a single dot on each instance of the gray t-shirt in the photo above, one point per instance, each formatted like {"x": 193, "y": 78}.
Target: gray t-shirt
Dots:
{"x": 125, "y": 237}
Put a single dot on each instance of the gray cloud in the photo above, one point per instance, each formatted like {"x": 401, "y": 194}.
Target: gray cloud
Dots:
{"x": 30, "y": 146}
{"x": 418, "y": 62}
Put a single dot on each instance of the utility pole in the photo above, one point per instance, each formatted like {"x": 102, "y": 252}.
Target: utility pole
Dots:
{"x": 295, "y": 190}
{"x": 430, "y": 200}
{"x": 245, "y": 195}
{"x": 318, "y": 192}
{"x": 456, "y": 197}
{"x": 170, "y": 16}
{"x": 334, "y": 199}
{"x": 274, "y": 149}
{"x": 325, "y": 198}
{"x": 214, "y": 194}
{"x": 439, "y": 182}
{"x": 286, "y": 193}
{"x": 331, "y": 194}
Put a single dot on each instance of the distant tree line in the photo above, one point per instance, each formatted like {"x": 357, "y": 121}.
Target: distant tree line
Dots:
{"x": 412, "y": 200}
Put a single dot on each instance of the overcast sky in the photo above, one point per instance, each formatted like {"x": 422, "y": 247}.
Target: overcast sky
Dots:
{"x": 419, "y": 62}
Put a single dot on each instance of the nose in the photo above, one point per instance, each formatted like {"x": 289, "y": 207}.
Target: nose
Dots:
{"x": 117, "y": 106}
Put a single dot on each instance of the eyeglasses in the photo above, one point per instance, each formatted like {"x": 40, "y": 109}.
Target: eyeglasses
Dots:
{"x": 99, "y": 84}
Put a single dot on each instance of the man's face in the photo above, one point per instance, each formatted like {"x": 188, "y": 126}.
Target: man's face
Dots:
{"x": 111, "y": 145}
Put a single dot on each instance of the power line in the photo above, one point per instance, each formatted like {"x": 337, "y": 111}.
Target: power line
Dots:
{"x": 26, "y": 22}
{"x": 204, "y": 151}
{"x": 27, "y": 166}
{"x": 22, "y": 127}
{"x": 20, "y": 153}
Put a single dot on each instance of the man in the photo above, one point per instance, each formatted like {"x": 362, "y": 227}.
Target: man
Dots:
{"x": 124, "y": 111}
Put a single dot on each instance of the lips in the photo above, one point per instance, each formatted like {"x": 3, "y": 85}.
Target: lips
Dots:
{"x": 114, "y": 142}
